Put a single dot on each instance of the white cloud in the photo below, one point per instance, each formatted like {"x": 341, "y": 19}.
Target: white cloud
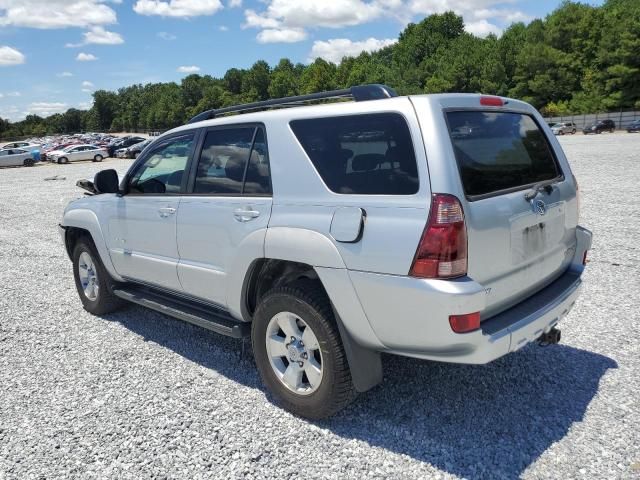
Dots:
{"x": 64, "y": 74}
{"x": 286, "y": 20}
{"x": 86, "y": 57}
{"x": 188, "y": 69}
{"x": 14, "y": 94}
{"x": 235, "y": 3}
{"x": 166, "y": 36}
{"x": 333, "y": 50}
{"x": 10, "y": 56}
{"x": 223, "y": 28}
{"x": 55, "y": 13}
{"x": 177, "y": 8}
{"x": 44, "y": 109}
{"x": 100, "y": 36}
{"x": 87, "y": 87}
{"x": 482, "y": 28}
{"x": 281, "y": 35}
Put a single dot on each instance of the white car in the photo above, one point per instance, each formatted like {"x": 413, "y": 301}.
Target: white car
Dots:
{"x": 14, "y": 157}
{"x": 24, "y": 145}
{"x": 75, "y": 153}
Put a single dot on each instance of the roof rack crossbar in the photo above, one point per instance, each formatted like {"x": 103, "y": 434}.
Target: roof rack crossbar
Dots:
{"x": 359, "y": 93}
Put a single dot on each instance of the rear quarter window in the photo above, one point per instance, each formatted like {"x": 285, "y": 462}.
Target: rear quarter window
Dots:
{"x": 368, "y": 154}
{"x": 498, "y": 151}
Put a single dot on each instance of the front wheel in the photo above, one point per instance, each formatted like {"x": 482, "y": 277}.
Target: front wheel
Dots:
{"x": 299, "y": 353}
{"x": 93, "y": 282}
{"x": 63, "y": 160}
{"x": 28, "y": 162}
{"x": 98, "y": 158}
{"x": 573, "y": 132}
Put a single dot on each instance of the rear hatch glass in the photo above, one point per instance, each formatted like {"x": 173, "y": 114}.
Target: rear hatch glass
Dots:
{"x": 499, "y": 152}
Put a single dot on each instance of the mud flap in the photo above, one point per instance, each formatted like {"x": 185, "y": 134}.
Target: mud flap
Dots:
{"x": 365, "y": 364}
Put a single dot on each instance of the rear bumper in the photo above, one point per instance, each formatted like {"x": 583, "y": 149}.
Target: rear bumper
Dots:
{"x": 411, "y": 316}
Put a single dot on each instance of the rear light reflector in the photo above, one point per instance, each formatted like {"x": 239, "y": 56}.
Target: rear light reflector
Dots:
{"x": 442, "y": 252}
{"x": 491, "y": 101}
{"x": 465, "y": 323}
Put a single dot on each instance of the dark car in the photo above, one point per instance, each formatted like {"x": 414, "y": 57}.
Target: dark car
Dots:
{"x": 634, "y": 126}
{"x": 123, "y": 143}
{"x": 599, "y": 127}
{"x": 134, "y": 150}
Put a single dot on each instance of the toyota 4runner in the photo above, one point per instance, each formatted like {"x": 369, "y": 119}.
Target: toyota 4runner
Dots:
{"x": 442, "y": 227}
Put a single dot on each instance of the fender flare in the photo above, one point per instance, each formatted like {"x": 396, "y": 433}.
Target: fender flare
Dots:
{"x": 87, "y": 220}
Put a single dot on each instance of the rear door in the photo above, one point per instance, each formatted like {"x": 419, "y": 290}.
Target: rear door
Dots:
{"x": 226, "y": 209}
{"x": 517, "y": 192}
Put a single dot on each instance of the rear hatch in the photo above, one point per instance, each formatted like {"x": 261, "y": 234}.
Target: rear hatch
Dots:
{"x": 518, "y": 197}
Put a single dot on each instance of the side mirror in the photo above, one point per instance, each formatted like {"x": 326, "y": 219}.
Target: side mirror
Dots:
{"x": 106, "y": 181}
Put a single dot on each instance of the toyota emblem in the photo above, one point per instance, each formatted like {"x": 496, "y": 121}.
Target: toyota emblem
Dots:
{"x": 539, "y": 207}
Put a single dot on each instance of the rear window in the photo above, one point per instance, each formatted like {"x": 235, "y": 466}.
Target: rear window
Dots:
{"x": 499, "y": 151}
{"x": 368, "y": 154}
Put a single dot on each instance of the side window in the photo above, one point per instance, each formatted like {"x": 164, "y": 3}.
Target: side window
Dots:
{"x": 162, "y": 170}
{"x": 222, "y": 168}
{"x": 258, "y": 180}
{"x": 369, "y": 154}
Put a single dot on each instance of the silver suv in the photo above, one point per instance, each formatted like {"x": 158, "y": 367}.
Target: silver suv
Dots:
{"x": 442, "y": 227}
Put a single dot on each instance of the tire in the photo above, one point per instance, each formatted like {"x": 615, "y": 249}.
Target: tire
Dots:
{"x": 28, "y": 162}
{"x": 98, "y": 158}
{"x": 103, "y": 300}
{"x": 561, "y": 132}
{"x": 573, "y": 132}
{"x": 63, "y": 160}
{"x": 135, "y": 154}
{"x": 303, "y": 302}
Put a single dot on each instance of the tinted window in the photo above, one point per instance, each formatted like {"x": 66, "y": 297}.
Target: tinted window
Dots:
{"x": 361, "y": 154}
{"x": 223, "y": 162}
{"x": 258, "y": 176}
{"x": 499, "y": 151}
{"x": 163, "y": 168}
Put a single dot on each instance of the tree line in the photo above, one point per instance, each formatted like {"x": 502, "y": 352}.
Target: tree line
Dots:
{"x": 579, "y": 59}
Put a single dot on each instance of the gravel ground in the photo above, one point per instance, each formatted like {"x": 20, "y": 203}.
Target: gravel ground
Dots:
{"x": 138, "y": 395}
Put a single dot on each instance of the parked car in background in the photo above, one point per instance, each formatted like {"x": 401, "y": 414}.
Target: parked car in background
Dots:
{"x": 134, "y": 150}
{"x": 24, "y": 145}
{"x": 14, "y": 157}
{"x": 563, "y": 127}
{"x": 77, "y": 153}
{"x": 634, "y": 126}
{"x": 123, "y": 143}
{"x": 600, "y": 126}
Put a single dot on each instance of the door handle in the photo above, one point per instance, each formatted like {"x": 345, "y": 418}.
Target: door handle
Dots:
{"x": 166, "y": 211}
{"x": 244, "y": 215}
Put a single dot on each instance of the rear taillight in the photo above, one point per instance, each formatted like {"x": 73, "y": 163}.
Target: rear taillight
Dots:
{"x": 584, "y": 258}
{"x": 465, "y": 323}
{"x": 442, "y": 252}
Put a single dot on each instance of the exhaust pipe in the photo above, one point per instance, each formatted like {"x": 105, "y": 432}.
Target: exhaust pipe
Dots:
{"x": 550, "y": 338}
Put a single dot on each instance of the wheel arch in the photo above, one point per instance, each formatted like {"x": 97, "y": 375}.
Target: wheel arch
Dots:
{"x": 80, "y": 222}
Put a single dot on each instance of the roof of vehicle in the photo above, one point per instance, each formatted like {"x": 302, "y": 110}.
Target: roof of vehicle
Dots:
{"x": 335, "y": 108}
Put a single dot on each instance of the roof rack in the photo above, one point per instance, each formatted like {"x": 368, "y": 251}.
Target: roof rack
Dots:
{"x": 358, "y": 93}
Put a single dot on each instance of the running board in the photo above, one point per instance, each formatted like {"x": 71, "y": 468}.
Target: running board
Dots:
{"x": 197, "y": 314}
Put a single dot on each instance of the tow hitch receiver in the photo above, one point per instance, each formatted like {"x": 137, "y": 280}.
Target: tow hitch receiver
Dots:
{"x": 550, "y": 338}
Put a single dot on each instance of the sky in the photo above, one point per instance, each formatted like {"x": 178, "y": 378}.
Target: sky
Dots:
{"x": 55, "y": 53}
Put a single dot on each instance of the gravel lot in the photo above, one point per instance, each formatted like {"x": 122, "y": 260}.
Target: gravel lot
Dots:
{"x": 138, "y": 395}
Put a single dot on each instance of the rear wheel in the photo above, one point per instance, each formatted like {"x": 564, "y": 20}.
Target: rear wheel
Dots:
{"x": 28, "y": 162}
{"x": 93, "y": 282}
{"x": 98, "y": 158}
{"x": 299, "y": 353}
